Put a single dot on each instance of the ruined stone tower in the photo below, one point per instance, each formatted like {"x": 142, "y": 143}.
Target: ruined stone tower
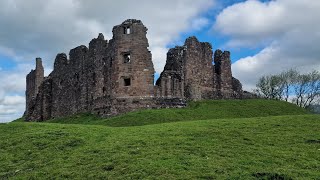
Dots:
{"x": 117, "y": 76}
{"x": 223, "y": 70}
{"x": 190, "y": 74}
{"x": 33, "y": 81}
{"x": 133, "y": 73}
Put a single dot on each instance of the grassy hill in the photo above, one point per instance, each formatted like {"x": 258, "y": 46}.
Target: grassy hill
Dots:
{"x": 201, "y": 110}
{"x": 278, "y": 141}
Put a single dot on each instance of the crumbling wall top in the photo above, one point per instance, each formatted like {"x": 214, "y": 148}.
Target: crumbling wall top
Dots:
{"x": 175, "y": 58}
{"x": 77, "y": 54}
{"x": 132, "y": 21}
{"x": 129, "y": 26}
{"x": 60, "y": 61}
{"x": 39, "y": 63}
{"x": 100, "y": 36}
{"x": 221, "y": 56}
{"x": 192, "y": 41}
{"x": 129, "y": 22}
{"x": 98, "y": 41}
{"x": 79, "y": 49}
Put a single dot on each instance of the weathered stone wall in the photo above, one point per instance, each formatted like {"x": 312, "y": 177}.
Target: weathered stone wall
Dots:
{"x": 117, "y": 76}
{"x": 198, "y": 70}
{"x": 33, "y": 81}
{"x": 42, "y": 107}
{"x": 133, "y": 70}
{"x": 223, "y": 70}
{"x": 120, "y": 105}
{"x": 74, "y": 83}
{"x": 93, "y": 78}
{"x": 171, "y": 81}
{"x": 189, "y": 69}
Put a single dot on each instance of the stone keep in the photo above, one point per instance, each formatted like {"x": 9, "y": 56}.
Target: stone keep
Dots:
{"x": 117, "y": 76}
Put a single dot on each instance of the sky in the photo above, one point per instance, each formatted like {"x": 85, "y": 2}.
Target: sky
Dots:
{"x": 264, "y": 36}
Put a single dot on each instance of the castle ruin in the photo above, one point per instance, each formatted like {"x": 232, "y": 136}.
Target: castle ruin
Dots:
{"x": 117, "y": 76}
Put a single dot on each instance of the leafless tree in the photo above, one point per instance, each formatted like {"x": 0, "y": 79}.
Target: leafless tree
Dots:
{"x": 304, "y": 88}
{"x": 307, "y": 88}
{"x": 270, "y": 87}
{"x": 288, "y": 78}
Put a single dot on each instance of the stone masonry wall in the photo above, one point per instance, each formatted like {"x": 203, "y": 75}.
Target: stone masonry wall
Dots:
{"x": 170, "y": 84}
{"x": 132, "y": 63}
{"x": 33, "y": 81}
{"x": 117, "y": 76}
{"x": 198, "y": 69}
{"x": 189, "y": 69}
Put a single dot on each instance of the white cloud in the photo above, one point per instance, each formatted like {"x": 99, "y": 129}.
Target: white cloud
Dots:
{"x": 44, "y": 28}
{"x": 7, "y": 111}
{"x": 253, "y": 22}
{"x": 159, "y": 54}
{"x": 199, "y": 23}
{"x": 286, "y": 29}
{"x": 251, "y": 18}
{"x": 12, "y": 87}
{"x": 5, "y": 118}
{"x": 14, "y": 81}
{"x": 11, "y": 107}
{"x": 13, "y": 100}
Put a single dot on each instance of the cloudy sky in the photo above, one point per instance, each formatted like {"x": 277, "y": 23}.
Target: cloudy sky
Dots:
{"x": 264, "y": 37}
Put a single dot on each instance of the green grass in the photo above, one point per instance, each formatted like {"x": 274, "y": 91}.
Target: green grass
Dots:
{"x": 201, "y": 110}
{"x": 251, "y": 139}
{"x": 22, "y": 119}
{"x": 241, "y": 148}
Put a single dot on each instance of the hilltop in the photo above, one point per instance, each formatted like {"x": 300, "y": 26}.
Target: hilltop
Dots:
{"x": 252, "y": 139}
{"x": 196, "y": 110}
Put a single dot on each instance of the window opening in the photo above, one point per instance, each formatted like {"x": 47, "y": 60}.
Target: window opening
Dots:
{"x": 127, "y": 57}
{"x": 127, "y": 81}
{"x": 127, "y": 30}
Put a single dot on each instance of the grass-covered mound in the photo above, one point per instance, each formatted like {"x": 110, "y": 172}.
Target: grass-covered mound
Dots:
{"x": 200, "y": 110}
{"x": 241, "y": 148}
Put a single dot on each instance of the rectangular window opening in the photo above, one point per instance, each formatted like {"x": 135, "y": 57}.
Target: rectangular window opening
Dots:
{"x": 127, "y": 30}
{"x": 127, "y": 58}
{"x": 127, "y": 81}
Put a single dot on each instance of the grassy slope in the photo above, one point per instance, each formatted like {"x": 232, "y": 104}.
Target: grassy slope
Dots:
{"x": 281, "y": 146}
{"x": 195, "y": 111}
